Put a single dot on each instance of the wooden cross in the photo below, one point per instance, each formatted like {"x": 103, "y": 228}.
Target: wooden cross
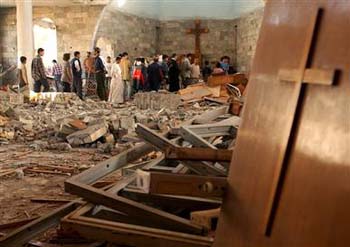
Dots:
{"x": 197, "y": 31}
{"x": 301, "y": 76}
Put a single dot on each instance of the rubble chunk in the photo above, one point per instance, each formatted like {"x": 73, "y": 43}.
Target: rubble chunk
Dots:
{"x": 88, "y": 135}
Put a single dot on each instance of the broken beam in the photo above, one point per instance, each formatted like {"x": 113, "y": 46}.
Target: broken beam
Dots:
{"x": 130, "y": 235}
{"x": 198, "y": 154}
{"x": 163, "y": 144}
{"x": 17, "y": 223}
{"x": 27, "y": 232}
{"x": 170, "y": 201}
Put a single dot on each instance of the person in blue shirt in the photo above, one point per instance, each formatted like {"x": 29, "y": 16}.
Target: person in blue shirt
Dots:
{"x": 225, "y": 64}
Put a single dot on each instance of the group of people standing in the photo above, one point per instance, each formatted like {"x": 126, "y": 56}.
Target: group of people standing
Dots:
{"x": 118, "y": 80}
{"x": 176, "y": 72}
{"x": 69, "y": 76}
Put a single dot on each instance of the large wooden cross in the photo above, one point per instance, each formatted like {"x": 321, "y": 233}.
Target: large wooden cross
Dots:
{"x": 303, "y": 75}
{"x": 197, "y": 31}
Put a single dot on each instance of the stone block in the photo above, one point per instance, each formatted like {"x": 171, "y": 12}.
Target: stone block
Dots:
{"x": 88, "y": 135}
{"x": 157, "y": 101}
{"x": 128, "y": 123}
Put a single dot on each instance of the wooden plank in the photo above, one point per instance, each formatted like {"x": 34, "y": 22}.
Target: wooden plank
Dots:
{"x": 128, "y": 236}
{"x": 117, "y": 162}
{"x": 206, "y": 218}
{"x": 195, "y": 139}
{"x": 63, "y": 169}
{"x": 210, "y": 130}
{"x": 45, "y": 172}
{"x": 313, "y": 202}
{"x": 218, "y": 80}
{"x": 17, "y": 223}
{"x": 221, "y": 101}
{"x": 187, "y": 185}
{"x": 49, "y": 200}
{"x": 319, "y": 76}
{"x": 130, "y": 207}
{"x": 209, "y": 116}
{"x": 7, "y": 173}
{"x": 157, "y": 140}
{"x": 170, "y": 201}
{"x": 104, "y": 213}
{"x": 29, "y": 231}
{"x": 198, "y": 154}
{"x": 311, "y": 76}
{"x": 296, "y": 101}
{"x": 162, "y": 143}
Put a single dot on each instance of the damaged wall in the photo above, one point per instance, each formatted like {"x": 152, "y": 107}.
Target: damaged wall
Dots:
{"x": 8, "y": 36}
{"x": 219, "y": 41}
{"x": 120, "y": 32}
{"x": 75, "y": 28}
{"x": 125, "y": 32}
{"x": 248, "y": 29}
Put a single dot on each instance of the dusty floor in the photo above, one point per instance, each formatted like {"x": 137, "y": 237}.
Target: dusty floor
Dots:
{"x": 18, "y": 189}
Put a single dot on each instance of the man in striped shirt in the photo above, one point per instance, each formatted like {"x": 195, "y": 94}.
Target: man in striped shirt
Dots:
{"x": 38, "y": 73}
{"x": 57, "y": 74}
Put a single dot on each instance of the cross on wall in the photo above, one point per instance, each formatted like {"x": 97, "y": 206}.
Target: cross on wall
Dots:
{"x": 198, "y": 31}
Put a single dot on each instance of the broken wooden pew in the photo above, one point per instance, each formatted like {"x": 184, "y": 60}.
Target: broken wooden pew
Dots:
{"x": 206, "y": 218}
{"x": 182, "y": 185}
{"x": 235, "y": 79}
{"x": 171, "y": 201}
{"x": 128, "y": 234}
{"x": 80, "y": 185}
{"x": 198, "y": 154}
{"x": 163, "y": 144}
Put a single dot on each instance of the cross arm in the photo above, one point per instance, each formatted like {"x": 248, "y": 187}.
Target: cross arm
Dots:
{"x": 310, "y": 76}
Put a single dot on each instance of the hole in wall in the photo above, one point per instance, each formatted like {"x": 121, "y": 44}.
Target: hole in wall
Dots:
{"x": 45, "y": 36}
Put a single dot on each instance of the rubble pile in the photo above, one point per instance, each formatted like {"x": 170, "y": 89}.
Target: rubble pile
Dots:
{"x": 46, "y": 124}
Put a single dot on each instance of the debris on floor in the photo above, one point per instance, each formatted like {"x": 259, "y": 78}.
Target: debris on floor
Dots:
{"x": 156, "y": 192}
{"x": 150, "y": 170}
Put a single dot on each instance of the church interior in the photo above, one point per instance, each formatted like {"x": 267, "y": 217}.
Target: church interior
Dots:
{"x": 174, "y": 123}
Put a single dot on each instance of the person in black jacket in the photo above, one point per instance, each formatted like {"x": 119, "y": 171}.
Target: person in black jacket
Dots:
{"x": 174, "y": 74}
{"x": 77, "y": 73}
{"x": 100, "y": 75}
{"x": 155, "y": 75}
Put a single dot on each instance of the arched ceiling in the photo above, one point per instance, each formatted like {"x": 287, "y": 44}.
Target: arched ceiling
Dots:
{"x": 165, "y": 9}
{"x": 186, "y": 9}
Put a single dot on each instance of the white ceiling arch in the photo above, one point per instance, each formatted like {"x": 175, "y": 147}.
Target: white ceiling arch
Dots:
{"x": 188, "y": 9}
{"x": 164, "y": 9}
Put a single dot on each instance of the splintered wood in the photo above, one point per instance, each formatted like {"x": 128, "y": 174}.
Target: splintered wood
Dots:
{"x": 215, "y": 88}
{"x": 219, "y": 80}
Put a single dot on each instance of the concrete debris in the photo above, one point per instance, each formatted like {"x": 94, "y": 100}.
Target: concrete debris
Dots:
{"x": 109, "y": 138}
{"x": 88, "y": 135}
{"x": 62, "y": 121}
{"x": 69, "y": 126}
{"x": 157, "y": 101}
